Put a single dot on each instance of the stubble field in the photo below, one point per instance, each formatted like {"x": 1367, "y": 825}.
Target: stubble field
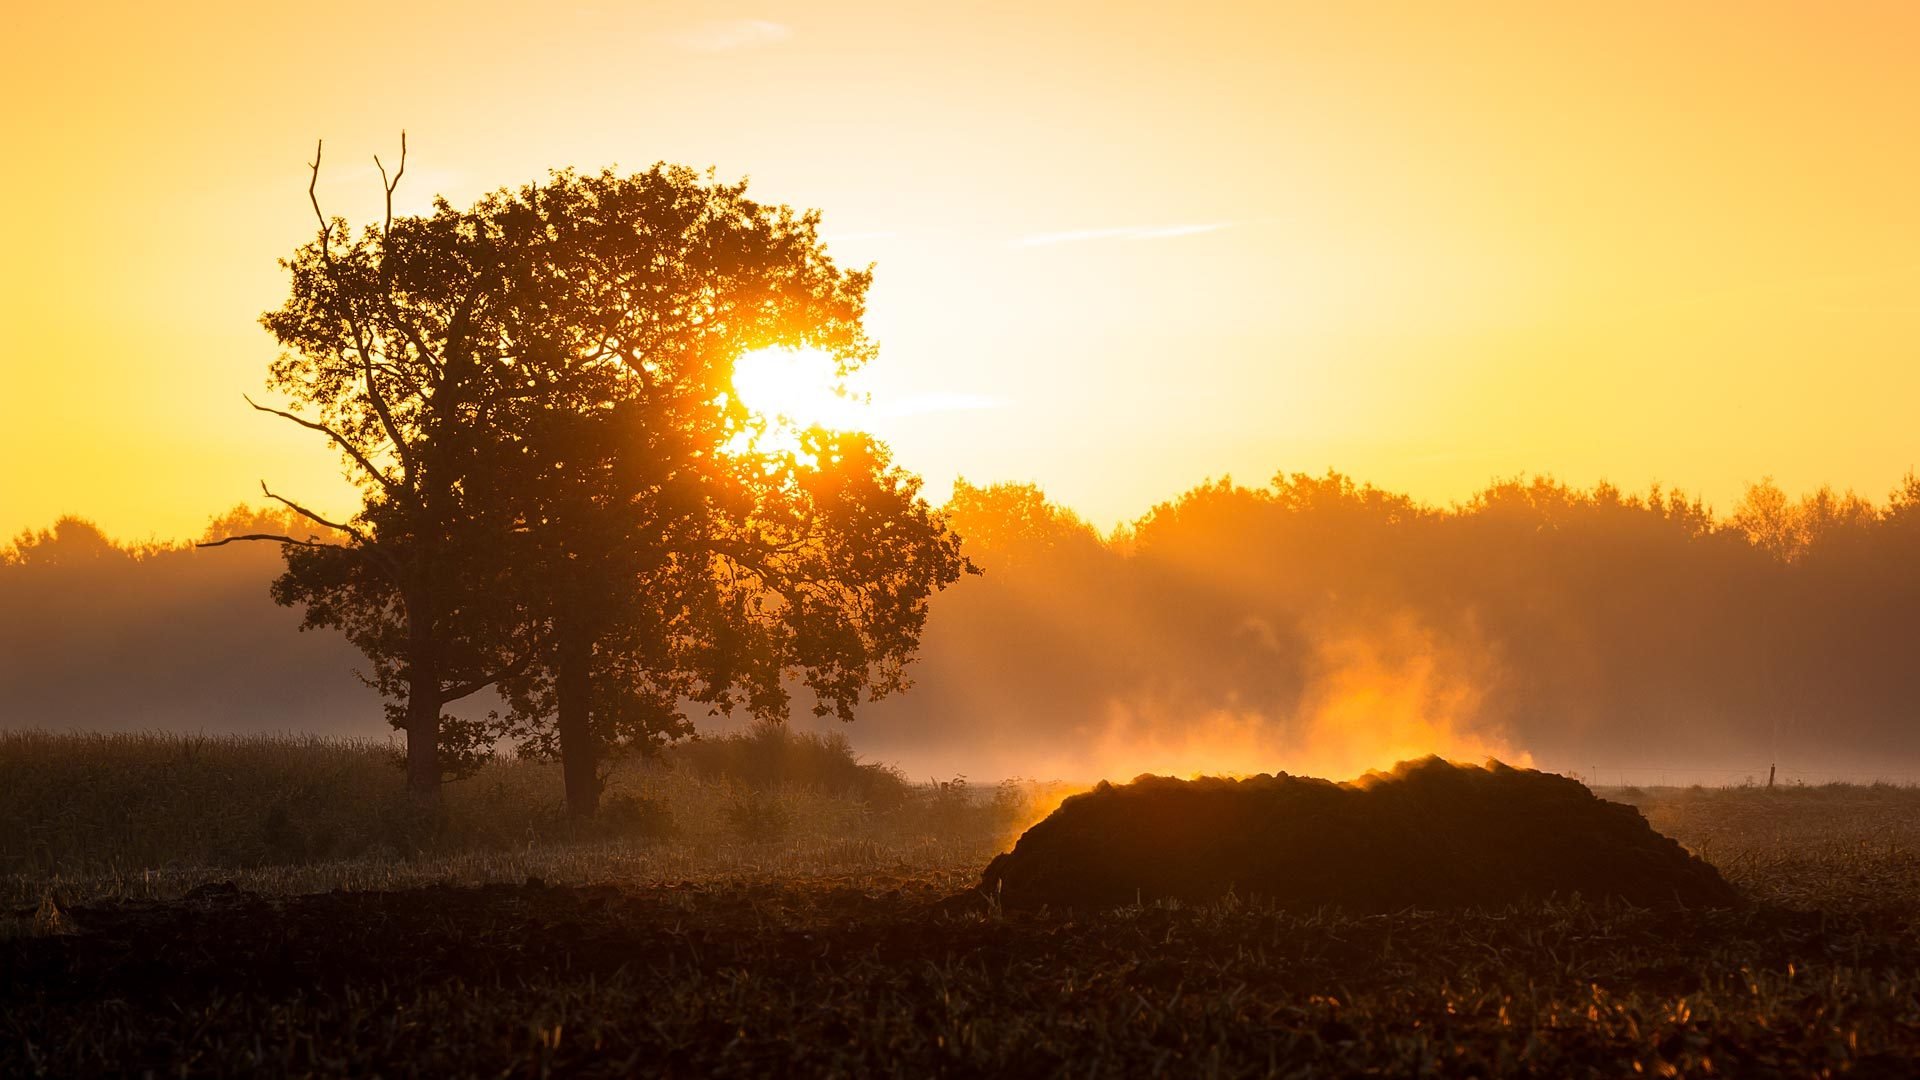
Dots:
{"x": 746, "y": 923}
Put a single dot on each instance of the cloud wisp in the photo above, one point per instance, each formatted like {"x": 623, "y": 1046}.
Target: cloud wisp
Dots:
{"x": 1123, "y": 232}
{"x": 729, "y": 35}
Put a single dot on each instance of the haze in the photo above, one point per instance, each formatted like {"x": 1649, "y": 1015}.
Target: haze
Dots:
{"x": 1116, "y": 253}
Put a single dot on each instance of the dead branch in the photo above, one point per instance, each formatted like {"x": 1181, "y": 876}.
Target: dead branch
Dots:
{"x": 387, "y": 225}
{"x": 275, "y": 537}
{"x": 388, "y": 186}
{"x": 311, "y": 516}
{"x": 326, "y": 230}
{"x": 339, "y": 439}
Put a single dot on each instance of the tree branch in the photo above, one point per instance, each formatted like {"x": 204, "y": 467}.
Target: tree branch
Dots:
{"x": 326, "y": 229}
{"x": 271, "y": 536}
{"x": 427, "y": 356}
{"x": 352, "y": 451}
{"x": 313, "y": 517}
{"x": 474, "y": 686}
{"x": 387, "y": 225}
{"x": 353, "y": 325}
{"x": 379, "y": 402}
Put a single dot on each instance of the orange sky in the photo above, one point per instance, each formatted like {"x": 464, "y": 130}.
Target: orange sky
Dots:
{"x": 1118, "y": 250}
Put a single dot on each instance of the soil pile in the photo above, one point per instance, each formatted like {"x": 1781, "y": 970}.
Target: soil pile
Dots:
{"x": 1428, "y": 834}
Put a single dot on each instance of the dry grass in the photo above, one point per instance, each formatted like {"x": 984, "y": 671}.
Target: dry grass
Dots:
{"x": 1830, "y": 847}
{"x": 151, "y": 816}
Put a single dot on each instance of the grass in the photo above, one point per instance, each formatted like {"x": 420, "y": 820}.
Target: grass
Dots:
{"x": 1825, "y": 847}
{"x": 154, "y": 815}
{"x": 828, "y": 944}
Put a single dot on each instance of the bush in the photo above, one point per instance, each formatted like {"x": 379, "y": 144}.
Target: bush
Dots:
{"x": 769, "y": 757}
{"x": 759, "y": 818}
{"x": 634, "y": 817}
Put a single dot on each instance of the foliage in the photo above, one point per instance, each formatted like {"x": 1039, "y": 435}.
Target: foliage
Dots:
{"x": 562, "y": 494}
{"x": 770, "y": 757}
{"x": 759, "y": 818}
{"x": 1581, "y": 625}
{"x": 156, "y": 807}
{"x": 1014, "y": 526}
{"x": 1573, "y": 624}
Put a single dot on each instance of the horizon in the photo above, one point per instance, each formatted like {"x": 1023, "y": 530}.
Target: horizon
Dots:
{"x": 1721, "y": 515}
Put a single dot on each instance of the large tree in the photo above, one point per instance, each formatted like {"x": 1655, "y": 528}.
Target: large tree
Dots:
{"x": 561, "y": 492}
{"x": 392, "y": 351}
{"x": 677, "y": 552}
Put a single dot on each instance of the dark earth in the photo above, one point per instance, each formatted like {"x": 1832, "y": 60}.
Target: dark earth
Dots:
{"x": 878, "y": 975}
{"x": 1429, "y": 834}
{"x": 1421, "y": 923}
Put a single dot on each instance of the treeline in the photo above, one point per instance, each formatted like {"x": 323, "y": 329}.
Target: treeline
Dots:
{"x": 104, "y": 636}
{"x": 1574, "y": 625}
{"x": 1286, "y": 623}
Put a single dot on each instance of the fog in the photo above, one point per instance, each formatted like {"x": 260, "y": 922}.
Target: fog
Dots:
{"x": 1311, "y": 625}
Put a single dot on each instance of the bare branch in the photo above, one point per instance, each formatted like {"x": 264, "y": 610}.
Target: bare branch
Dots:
{"x": 474, "y": 686}
{"x": 311, "y": 516}
{"x": 276, "y": 537}
{"x": 433, "y": 360}
{"x": 363, "y": 546}
{"x": 380, "y": 409}
{"x": 370, "y": 554}
{"x": 390, "y": 185}
{"x": 360, "y": 336}
{"x": 352, "y": 451}
{"x": 326, "y": 230}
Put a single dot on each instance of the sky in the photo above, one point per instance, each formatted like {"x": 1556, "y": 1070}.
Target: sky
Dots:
{"x": 1120, "y": 247}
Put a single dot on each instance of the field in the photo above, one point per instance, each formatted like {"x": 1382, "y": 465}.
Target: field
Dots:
{"x": 267, "y": 909}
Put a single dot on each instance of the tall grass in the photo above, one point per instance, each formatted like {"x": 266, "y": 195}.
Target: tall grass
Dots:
{"x": 1835, "y": 846}
{"x": 86, "y": 809}
{"x": 158, "y": 813}
{"x": 771, "y": 756}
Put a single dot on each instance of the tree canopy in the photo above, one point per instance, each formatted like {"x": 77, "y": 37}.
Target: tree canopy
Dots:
{"x": 562, "y": 494}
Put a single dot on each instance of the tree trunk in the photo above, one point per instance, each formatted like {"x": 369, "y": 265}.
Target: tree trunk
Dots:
{"x": 572, "y": 684}
{"x": 423, "y": 709}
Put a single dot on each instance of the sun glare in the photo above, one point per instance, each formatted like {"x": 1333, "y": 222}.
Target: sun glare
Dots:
{"x": 796, "y": 387}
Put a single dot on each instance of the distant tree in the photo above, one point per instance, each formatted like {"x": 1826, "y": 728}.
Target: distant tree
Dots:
{"x": 71, "y": 540}
{"x": 1903, "y": 504}
{"x": 1770, "y": 521}
{"x": 1010, "y": 524}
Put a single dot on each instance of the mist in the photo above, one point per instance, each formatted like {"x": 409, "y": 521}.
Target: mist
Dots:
{"x": 1320, "y": 626}
{"x": 1312, "y": 625}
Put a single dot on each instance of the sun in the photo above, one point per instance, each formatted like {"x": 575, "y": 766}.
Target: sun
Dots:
{"x": 796, "y": 387}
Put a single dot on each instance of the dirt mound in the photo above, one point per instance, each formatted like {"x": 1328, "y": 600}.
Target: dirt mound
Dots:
{"x": 1428, "y": 834}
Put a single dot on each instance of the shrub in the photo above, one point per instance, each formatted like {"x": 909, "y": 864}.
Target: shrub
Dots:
{"x": 769, "y": 757}
{"x": 635, "y": 817}
{"x": 759, "y": 818}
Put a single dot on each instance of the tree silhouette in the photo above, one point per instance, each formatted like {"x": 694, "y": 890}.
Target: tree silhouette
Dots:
{"x": 561, "y": 493}
{"x": 669, "y": 557}
{"x": 393, "y": 352}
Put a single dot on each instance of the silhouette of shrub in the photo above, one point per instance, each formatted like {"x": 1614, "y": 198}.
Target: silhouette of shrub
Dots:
{"x": 759, "y": 818}
{"x": 635, "y": 817}
{"x": 768, "y": 757}
{"x": 283, "y": 841}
